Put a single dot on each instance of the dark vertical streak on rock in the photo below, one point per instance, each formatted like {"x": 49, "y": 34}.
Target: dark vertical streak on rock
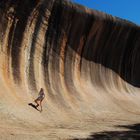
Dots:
{"x": 47, "y": 49}
{"x": 56, "y": 47}
{"x": 10, "y": 39}
{"x": 72, "y": 44}
{"x": 88, "y": 26}
{"x": 42, "y": 9}
{"x": 135, "y": 74}
{"x": 31, "y": 74}
{"x": 80, "y": 27}
{"x": 3, "y": 22}
{"x": 51, "y": 51}
{"x": 128, "y": 54}
{"x": 22, "y": 13}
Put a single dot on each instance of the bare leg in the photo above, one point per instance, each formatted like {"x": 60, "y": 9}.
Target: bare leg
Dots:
{"x": 36, "y": 101}
{"x": 41, "y": 105}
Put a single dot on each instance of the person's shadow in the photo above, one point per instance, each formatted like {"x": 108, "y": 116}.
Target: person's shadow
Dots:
{"x": 32, "y": 105}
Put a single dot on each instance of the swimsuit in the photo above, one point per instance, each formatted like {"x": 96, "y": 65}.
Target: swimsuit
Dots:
{"x": 41, "y": 96}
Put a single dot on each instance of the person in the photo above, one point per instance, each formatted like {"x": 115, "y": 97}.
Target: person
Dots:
{"x": 40, "y": 98}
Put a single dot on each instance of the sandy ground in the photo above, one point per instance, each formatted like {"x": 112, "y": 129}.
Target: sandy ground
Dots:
{"x": 38, "y": 125}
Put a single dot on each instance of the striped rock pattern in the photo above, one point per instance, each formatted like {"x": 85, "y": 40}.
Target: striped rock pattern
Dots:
{"x": 86, "y": 61}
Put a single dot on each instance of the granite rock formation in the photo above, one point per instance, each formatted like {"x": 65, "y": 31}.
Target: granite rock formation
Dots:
{"x": 87, "y": 62}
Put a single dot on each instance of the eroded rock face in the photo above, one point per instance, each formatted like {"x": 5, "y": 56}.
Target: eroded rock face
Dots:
{"x": 69, "y": 50}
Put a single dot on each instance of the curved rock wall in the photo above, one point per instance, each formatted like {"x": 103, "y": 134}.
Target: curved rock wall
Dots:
{"x": 79, "y": 56}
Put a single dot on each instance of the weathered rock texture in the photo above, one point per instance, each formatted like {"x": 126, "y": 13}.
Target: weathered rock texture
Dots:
{"x": 87, "y": 62}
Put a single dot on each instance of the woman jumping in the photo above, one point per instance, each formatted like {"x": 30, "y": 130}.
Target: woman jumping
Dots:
{"x": 40, "y": 98}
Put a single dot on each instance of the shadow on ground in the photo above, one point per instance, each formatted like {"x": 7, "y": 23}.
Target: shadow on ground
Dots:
{"x": 132, "y": 133}
{"x": 34, "y": 106}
